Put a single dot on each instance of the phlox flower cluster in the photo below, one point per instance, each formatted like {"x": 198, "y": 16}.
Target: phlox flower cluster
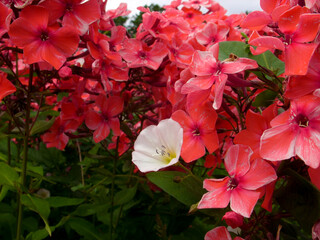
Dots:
{"x": 169, "y": 95}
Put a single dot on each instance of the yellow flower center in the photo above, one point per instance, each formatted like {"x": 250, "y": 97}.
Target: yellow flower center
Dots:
{"x": 165, "y": 155}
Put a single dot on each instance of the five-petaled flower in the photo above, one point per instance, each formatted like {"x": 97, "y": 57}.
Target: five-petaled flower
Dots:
{"x": 240, "y": 187}
{"x": 41, "y": 42}
{"x": 295, "y": 132}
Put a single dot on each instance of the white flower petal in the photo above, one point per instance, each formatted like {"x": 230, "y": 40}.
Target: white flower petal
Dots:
{"x": 158, "y": 146}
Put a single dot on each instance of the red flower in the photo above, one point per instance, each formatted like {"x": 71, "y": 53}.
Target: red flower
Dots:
{"x": 139, "y": 54}
{"x": 240, "y": 188}
{"x": 106, "y": 118}
{"x": 7, "y": 87}
{"x": 256, "y": 124}
{"x": 56, "y": 136}
{"x": 295, "y": 132}
{"x": 199, "y": 131}
{"x": 5, "y": 18}
{"x": 76, "y": 13}
{"x": 41, "y": 42}
{"x": 209, "y": 71}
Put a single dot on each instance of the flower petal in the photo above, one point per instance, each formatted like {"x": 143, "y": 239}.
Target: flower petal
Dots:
{"x": 218, "y": 198}
{"x": 242, "y": 201}
{"x": 278, "y": 143}
{"x": 308, "y": 146}
{"x": 237, "y": 160}
{"x": 260, "y": 173}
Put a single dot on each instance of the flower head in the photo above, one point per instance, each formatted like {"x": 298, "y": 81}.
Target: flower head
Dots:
{"x": 158, "y": 146}
{"x": 239, "y": 188}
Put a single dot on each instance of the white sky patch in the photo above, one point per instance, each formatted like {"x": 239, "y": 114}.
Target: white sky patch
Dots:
{"x": 233, "y": 6}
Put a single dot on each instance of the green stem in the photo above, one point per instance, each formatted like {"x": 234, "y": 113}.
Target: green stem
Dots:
{"x": 25, "y": 154}
{"x": 115, "y": 159}
{"x": 189, "y": 172}
{"x": 9, "y": 143}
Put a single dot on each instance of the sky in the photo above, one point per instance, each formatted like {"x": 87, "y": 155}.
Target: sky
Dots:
{"x": 233, "y": 6}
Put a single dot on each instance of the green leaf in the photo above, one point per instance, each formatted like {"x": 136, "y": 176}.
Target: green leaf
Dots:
{"x": 6, "y": 71}
{"x": 84, "y": 228}
{"x": 7, "y": 225}
{"x": 265, "y": 98}
{"x": 3, "y": 192}
{"x": 64, "y": 201}
{"x": 41, "y": 126}
{"x": 42, "y": 233}
{"x": 185, "y": 188}
{"x": 37, "y": 235}
{"x": 241, "y": 49}
{"x": 125, "y": 195}
{"x": 89, "y": 209}
{"x": 8, "y": 176}
{"x": 38, "y": 205}
{"x": 300, "y": 198}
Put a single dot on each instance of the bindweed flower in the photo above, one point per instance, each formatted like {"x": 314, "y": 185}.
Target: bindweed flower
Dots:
{"x": 158, "y": 146}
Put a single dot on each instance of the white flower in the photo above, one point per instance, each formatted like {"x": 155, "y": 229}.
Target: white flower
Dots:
{"x": 158, "y": 146}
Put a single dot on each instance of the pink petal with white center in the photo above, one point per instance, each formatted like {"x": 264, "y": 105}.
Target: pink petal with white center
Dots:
{"x": 242, "y": 201}
{"x": 278, "y": 143}
{"x": 237, "y": 160}
{"x": 260, "y": 174}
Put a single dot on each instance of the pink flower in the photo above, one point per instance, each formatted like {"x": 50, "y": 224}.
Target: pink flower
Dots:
{"x": 139, "y": 54}
{"x": 76, "y": 13}
{"x": 240, "y": 188}
{"x": 41, "y": 42}
{"x": 106, "y": 118}
{"x": 295, "y": 132}
{"x": 210, "y": 71}
{"x": 199, "y": 131}
{"x": 233, "y": 219}
{"x": 219, "y": 233}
